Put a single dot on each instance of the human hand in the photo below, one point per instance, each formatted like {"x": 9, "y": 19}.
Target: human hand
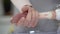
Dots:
{"x": 18, "y": 16}
{"x": 29, "y": 20}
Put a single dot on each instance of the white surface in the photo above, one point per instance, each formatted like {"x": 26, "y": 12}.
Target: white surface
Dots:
{"x": 32, "y": 31}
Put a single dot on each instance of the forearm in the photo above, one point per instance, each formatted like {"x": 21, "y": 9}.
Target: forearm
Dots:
{"x": 48, "y": 15}
{"x": 20, "y": 3}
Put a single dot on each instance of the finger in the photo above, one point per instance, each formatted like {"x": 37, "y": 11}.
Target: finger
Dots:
{"x": 25, "y": 8}
{"x": 18, "y": 16}
{"x": 21, "y": 22}
{"x": 28, "y": 17}
{"x": 15, "y": 18}
{"x": 36, "y": 19}
{"x": 33, "y": 18}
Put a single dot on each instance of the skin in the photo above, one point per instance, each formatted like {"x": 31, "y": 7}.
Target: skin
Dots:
{"x": 29, "y": 20}
{"x": 29, "y": 17}
{"x": 33, "y": 18}
{"x": 53, "y": 15}
{"x": 42, "y": 16}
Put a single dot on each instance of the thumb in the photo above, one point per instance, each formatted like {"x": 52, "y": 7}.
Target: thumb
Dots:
{"x": 25, "y": 8}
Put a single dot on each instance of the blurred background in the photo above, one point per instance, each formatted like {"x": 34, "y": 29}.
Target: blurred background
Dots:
{"x": 6, "y": 11}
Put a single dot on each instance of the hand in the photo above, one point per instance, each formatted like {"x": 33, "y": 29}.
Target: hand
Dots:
{"x": 15, "y": 18}
{"x": 30, "y": 20}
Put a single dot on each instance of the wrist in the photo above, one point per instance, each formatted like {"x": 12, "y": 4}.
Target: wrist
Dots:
{"x": 48, "y": 15}
{"x": 53, "y": 15}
